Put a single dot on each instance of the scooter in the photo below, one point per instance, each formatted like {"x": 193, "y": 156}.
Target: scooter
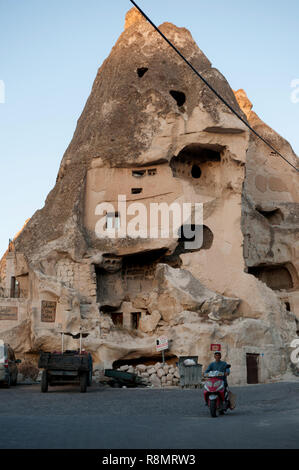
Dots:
{"x": 215, "y": 395}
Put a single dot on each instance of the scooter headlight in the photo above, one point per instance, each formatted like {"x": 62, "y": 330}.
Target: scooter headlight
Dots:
{"x": 218, "y": 383}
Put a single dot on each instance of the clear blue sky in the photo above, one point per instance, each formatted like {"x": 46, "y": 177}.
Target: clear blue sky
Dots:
{"x": 50, "y": 53}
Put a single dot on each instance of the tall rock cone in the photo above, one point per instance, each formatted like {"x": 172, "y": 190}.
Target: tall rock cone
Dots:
{"x": 152, "y": 134}
{"x": 128, "y": 106}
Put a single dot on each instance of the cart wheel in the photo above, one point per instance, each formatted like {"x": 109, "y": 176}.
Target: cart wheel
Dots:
{"x": 44, "y": 384}
{"x": 83, "y": 383}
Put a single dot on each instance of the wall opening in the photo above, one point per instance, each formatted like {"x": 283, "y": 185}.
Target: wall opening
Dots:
{"x": 135, "y": 317}
{"x": 141, "y": 71}
{"x": 252, "y": 365}
{"x": 195, "y": 160}
{"x": 288, "y": 306}
{"x": 274, "y": 217}
{"x": 126, "y": 278}
{"x": 185, "y": 237}
{"x": 117, "y": 318}
{"x": 14, "y": 287}
{"x": 152, "y": 171}
{"x": 179, "y": 97}
{"x": 136, "y": 190}
{"x": 138, "y": 271}
{"x": 196, "y": 172}
{"x": 138, "y": 173}
{"x": 276, "y": 277}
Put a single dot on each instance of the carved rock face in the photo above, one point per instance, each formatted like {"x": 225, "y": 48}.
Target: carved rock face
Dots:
{"x": 154, "y": 133}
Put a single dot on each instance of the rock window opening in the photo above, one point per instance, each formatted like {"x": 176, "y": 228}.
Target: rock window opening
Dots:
{"x": 135, "y": 320}
{"x": 288, "y": 306}
{"x": 112, "y": 220}
{"x": 138, "y": 271}
{"x": 138, "y": 173}
{"x": 178, "y": 96}
{"x": 274, "y": 217}
{"x": 194, "y": 160}
{"x": 14, "y": 288}
{"x": 275, "y": 277}
{"x": 196, "y": 172}
{"x": 185, "y": 236}
{"x": 117, "y": 318}
{"x": 136, "y": 190}
{"x": 152, "y": 172}
{"x": 187, "y": 233}
{"x": 141, "y": 71}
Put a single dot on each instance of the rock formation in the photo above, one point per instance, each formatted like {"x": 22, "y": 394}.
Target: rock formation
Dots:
{"x": 153, "y": 132}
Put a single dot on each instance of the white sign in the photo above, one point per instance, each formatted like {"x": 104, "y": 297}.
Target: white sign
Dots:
{"x": 162, "y": 343}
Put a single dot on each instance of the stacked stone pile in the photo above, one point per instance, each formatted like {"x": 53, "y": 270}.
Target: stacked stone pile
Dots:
{"x": 158, "y": 375}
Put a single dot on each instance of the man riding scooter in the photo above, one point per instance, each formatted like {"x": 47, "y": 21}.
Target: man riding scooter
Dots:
{"x": 219, "y": 365}
{"x": 216, "y": 391}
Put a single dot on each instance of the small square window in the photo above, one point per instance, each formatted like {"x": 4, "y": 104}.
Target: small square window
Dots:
{"x": 152, "y": 171}
{"x": 136, "y": 190}
{"x": 138, "y": 173}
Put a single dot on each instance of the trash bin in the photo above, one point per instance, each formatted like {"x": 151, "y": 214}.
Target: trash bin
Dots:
{"x": 190, "y": 375}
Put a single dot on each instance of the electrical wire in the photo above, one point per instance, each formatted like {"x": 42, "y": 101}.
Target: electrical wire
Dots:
{"x": 213, "y": 89}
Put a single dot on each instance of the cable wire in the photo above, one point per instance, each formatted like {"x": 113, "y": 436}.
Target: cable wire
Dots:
{"x": 211, "y": 88}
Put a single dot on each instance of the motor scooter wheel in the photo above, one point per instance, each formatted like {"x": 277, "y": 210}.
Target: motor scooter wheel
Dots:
{"x": 213, "y": 408}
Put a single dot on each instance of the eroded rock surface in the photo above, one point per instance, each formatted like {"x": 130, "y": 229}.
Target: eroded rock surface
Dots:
{"x": 154, "y": 133}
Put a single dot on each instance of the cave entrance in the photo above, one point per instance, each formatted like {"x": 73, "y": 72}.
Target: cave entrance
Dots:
{"x": 117, "y": 318}
{"x": 275, "y": 277}
{"x": 127, "y": 277}
{"x": 187, "y": 234}
{"x": 138, "y": 271}
{"x": 274, "y": 217}
{"x": 193, "y": 160}
{"x": 179, "y": 97}
{"x": 142, "y": 71}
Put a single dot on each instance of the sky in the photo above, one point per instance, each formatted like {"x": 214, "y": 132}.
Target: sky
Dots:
{"x": 50, "y": 53}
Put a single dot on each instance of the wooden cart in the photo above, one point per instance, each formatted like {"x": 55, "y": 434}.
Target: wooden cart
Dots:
{"x": 64, "y": 367}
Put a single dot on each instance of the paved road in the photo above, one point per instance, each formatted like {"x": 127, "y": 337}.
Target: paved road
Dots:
{"x": 267, "y": 416}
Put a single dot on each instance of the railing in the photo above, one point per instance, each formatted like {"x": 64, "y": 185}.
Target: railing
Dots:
{"x": 8, "y": 294}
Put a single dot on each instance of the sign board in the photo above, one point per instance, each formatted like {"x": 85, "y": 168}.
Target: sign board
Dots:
{"x": 8, "y": 313}
{"x": 215, "y": 347}
{"x": 162, "y": 343}
{"x": 48, "y": 311}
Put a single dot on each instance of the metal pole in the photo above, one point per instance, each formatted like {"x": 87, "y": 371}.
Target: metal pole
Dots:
{"x": 80, "y": 342}
{"x": 62, "y": 340}
{"x": 163, "y": 357}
